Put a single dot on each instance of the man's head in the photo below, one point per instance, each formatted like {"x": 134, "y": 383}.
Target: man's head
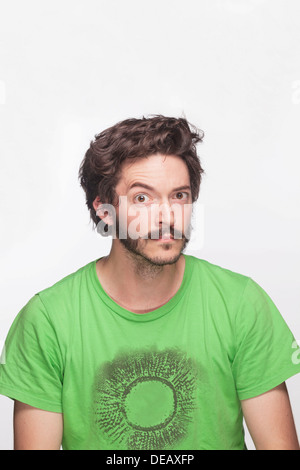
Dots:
{"x": 146, "y": 164}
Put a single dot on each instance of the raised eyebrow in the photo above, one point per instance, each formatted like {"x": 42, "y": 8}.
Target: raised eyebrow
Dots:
{"x": 150, "y": 188}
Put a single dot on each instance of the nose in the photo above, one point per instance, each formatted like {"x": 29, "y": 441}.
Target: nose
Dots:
{"x": 165, "y": 215}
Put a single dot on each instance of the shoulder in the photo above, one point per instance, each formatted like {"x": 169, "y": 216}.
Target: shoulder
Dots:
{"x": 238, "y": 293}
{"x": 216, "y": 276}
{"x": 68, "y": 286}
{"x": 58, "y": 301}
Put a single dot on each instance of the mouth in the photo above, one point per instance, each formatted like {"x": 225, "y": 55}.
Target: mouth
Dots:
{"x": 166, "y": 238}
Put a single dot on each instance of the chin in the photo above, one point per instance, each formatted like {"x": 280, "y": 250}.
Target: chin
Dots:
{"x": 161, "y": 260}
{"x": 162, "y": 255}
{"x": 159, "y": 255}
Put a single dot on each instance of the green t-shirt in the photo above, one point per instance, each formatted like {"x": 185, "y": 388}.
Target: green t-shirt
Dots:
{"x": 169, "y": 379}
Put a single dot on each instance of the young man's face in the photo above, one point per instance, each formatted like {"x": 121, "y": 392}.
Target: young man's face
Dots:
{"x": 155, "y": 208}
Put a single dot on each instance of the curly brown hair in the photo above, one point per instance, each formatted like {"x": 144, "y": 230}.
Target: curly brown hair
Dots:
{"x": 134, "y": 138}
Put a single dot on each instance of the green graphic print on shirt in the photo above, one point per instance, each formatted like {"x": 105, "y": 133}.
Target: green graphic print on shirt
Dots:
{"x": 146, "y": 399}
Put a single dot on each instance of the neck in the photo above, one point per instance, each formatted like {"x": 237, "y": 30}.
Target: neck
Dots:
{"x": 139, "y": 285}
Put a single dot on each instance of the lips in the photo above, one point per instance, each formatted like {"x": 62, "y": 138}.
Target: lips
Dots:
{"x": 166, "y": 236}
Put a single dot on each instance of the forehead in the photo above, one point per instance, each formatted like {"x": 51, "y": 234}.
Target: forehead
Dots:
{"x": 157, "y": 170}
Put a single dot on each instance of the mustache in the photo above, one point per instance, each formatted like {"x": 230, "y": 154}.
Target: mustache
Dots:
{"x": 159, "y": 233}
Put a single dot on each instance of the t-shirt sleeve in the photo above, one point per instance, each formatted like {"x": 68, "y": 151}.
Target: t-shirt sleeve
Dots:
{"x": 266, "y": 351}
{"x": 31, "y": 370}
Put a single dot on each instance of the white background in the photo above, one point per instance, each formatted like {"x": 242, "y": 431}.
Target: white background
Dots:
{"x": 71, "y": 68}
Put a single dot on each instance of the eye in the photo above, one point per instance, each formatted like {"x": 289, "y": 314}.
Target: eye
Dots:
{"x": 181, "y": 195}
{"x": 141, "y": 198}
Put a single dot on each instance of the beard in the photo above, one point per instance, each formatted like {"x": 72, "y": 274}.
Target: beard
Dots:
{"x": 135, "y": 248}
{"x": 146, "y": 265}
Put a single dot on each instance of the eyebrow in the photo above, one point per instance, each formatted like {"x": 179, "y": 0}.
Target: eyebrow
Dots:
{"x": 150, "y": 188}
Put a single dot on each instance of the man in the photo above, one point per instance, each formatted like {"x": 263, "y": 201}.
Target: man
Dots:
{"x": 149, "y": 348}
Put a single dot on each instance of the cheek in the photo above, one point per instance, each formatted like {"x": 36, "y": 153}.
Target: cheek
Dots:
{"x": 141, "y": 220}
{"x": 182, "y": 215}
{"x": 187, "y": 214}
{"x": 138, "y": 220}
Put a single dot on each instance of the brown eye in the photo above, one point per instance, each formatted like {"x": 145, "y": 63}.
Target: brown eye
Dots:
{"x": 141, "y": 198}
{"x": 182, "y": 195}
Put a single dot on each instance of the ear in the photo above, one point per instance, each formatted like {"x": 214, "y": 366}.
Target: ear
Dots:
{"x": 104, "y": 211}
